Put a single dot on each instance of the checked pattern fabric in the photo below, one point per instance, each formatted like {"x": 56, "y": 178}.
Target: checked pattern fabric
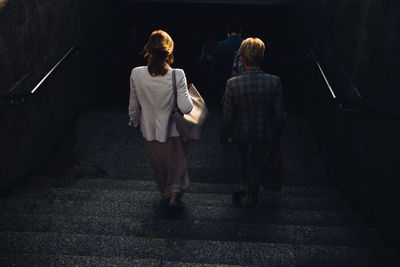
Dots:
{"x": 253, "y": 104}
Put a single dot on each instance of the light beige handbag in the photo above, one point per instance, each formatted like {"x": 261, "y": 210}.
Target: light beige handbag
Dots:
{"x": 189, "y": 125}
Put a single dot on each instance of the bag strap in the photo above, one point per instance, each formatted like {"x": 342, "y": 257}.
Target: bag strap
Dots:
{"x": 175, "y": 90}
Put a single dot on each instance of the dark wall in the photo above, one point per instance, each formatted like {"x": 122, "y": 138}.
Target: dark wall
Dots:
{"x": 357, "y": 44}
{"x": 189, "y": 26}
{"x": 364, "y": 36}
{"x": 34, "y": 35}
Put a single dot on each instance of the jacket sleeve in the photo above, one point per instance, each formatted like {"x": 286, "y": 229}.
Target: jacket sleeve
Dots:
{"x": 134, "y": 109}
{"x": 185, "y": 103}
{"x": 279, "y": 115}
{"x": 279, "y": 107}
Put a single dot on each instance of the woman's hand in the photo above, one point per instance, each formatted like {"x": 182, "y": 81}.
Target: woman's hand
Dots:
{"x": 134, "y": 125}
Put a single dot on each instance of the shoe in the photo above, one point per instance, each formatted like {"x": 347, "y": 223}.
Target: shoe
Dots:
{"x": 176, "y": 204}
{"x": 164, "y": 201}
{"x": 252, "y": 204}
{"x": 237, "y": 195}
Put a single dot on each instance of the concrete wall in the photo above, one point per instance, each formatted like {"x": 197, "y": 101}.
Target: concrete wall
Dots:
{"x": 34, "y": 35}
{"x": 364, "y": 35}
{"x": 360, "y": 143}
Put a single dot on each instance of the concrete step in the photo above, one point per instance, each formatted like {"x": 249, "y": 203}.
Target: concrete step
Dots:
{"x": 266, "y": 200}
{"x": 200, "y": 229}
{"x": 190, "y": 264}
{"x": 211, "y": 171}
{"x": 150, "y": 185}
{"x": 142, "y": 171}
{"x": 156, "y": 211}
{"x": 178, "y": 250}
{"x": 265, "y": 254}
{"x": 24, "y": 259}
{"x": 82, "y": 245}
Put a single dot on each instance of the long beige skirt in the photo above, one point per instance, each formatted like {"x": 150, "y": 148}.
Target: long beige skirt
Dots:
{"x": 170, "y": 165}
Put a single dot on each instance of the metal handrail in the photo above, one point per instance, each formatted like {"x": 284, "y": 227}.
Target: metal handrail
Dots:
{"x": 17, "y": 98}
{"x": 323, "y": 75}
{"x": 52, "y": 69}
{"x": 354, "y": 105}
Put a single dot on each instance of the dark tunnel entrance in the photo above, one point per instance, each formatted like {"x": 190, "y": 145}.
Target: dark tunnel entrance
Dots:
{"x": 190, "y": 26}
{"x": 74, "y": 126}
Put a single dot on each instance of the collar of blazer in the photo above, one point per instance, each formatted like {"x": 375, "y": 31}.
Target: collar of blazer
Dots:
{"x": 250, "y": 71}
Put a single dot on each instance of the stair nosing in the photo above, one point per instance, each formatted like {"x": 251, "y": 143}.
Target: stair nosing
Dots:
{"x": 178, "y": 239}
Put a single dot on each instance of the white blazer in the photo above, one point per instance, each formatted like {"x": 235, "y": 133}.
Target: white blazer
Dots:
{"x": 152, "y": 101}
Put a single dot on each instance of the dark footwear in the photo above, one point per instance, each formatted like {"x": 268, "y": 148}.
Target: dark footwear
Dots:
{"x": 237, "y": 195}
{"x": 176, "y": 204}
{"x": 164, "y": 201}
{"x": 252, "y": 204}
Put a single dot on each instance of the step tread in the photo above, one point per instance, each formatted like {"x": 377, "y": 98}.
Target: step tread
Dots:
{"x": 264, "y": 254}
{"x": 200, "y": 229}
{"x": 120, "y": 184}
{"x": 82, "y": 245}
{"x": 266, "y": 200}
{"x": 156, "y": 211}
{"x": 178, "y": 250}
{"x": 25, "y": 259}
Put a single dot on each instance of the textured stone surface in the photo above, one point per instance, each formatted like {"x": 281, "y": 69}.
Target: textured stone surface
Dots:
{"x": 199, "y": 229}
{"x": 266, "y": 200}
{"x": 153, "y": 210}
{"x": 364, "y": 36}
{"x": 104, "y": 212}
{"x": 42, "y": 183}
{"x": 189, "y": 264}
{"x": 68, "y": 260}
{"x": 200, "y": 251}
{"x": 101, "y": 134}
{"x": 357, "y": 44}
{"x": 82, "y": 245}
{"x": 263, "y": 254}
{"x": 227, "y": 253}
{"x": 34, "y": 36}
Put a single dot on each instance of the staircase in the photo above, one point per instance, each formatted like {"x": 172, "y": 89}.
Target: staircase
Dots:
{"x": 106, "y": 211}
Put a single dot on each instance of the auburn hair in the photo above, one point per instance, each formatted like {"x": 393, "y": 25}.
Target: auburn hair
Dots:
{"x": 159, "y": 52}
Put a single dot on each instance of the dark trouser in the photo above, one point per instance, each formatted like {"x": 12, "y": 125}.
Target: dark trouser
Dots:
{"x": 252, "y": 157}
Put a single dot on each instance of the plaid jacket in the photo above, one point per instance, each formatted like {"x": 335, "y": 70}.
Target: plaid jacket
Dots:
{"x": 253, "y": 107}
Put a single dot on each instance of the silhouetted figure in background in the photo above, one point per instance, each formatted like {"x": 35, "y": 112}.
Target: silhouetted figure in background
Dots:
{"x": 204, "y": 66}
{"x": 252, "y": 107}
{"x": 223, "y": 58}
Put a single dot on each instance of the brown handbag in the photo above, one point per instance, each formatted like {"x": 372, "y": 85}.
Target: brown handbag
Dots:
{"x": 273, "y": 170}
{"x": 189, "y": 125}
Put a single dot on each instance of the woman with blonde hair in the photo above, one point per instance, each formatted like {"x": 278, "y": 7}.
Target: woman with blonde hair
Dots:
{"x": 151, "y": 104}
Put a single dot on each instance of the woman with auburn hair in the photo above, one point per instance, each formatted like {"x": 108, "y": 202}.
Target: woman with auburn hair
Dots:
{"x": 151, "y": 104}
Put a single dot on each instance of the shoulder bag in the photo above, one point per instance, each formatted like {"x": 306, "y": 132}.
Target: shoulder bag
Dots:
{"x": 189, "y": 125}
{"x": 273, "y": 170}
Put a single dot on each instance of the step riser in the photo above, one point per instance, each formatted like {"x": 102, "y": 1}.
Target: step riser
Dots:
{"x": 191, "y": 199}
{"x": 214, "y": 252}
{"x": 185, "y": 230}
{"x": 150, "y": 185}
{"x": 66, "y": 260}
{"x": 142, "y": 171}
{"x": 154, "y": 211}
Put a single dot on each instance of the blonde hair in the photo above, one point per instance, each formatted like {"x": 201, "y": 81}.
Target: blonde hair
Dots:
{"x": 252, "y": 51}
{"x": 159, "y": 52}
